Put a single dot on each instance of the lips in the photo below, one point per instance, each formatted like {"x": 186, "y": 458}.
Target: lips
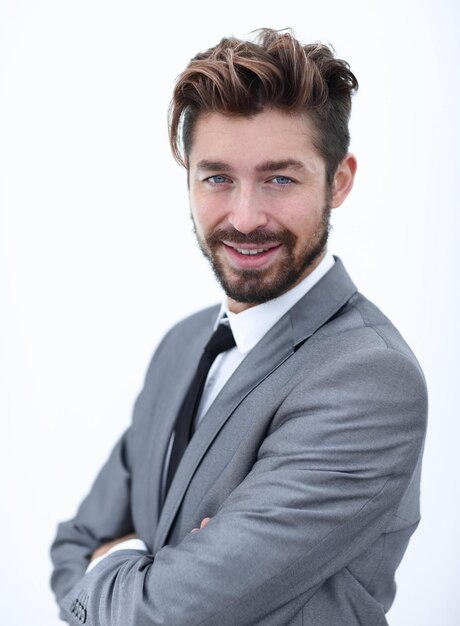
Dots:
{"x": 247, "y": 256}
{"x": 252, "y": 252}
{"x": 251, "y": 248}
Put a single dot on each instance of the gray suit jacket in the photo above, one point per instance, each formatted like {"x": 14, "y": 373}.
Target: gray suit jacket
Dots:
{"x": 308, "y": 463}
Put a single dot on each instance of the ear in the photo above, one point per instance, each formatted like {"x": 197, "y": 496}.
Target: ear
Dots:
{"x": 343, "y": 180}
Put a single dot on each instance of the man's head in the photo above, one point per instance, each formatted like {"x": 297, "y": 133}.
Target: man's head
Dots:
{"x": 238, "y": 77}
{"x": 262, "y": 129}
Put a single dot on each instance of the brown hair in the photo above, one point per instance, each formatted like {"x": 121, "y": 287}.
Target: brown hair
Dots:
{"x": 238, "y": 77}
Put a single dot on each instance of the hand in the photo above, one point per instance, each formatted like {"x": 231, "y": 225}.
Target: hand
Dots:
{"x": 204, "y": 521}
{"x": 106, "y": 546}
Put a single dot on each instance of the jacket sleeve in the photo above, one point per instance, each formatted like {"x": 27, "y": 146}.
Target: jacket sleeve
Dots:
{"x": 103, "y": 515}
{"x": 327, "y": 480}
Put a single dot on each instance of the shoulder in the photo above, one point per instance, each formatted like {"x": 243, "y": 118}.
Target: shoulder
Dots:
{"x": 355, "y": 385}
{"x": 361, "y": 325}
{"x": 198, "y": 322}
{"x": 359, "y": 359}
{"x": 185, "y": 331}
{"x": 356, "y": 353}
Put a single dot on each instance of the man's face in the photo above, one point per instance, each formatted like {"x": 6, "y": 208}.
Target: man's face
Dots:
{"x": 259, "y": 202}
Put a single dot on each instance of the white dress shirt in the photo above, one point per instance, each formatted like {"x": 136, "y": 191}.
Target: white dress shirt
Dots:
{"x": 248, "y": 328}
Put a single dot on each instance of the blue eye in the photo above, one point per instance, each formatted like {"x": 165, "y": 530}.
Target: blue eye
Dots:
{"x": 282, "y": 180}
{"x": 218, "y": 179}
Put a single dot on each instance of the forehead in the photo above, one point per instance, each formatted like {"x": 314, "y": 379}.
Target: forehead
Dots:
{"x": 269, "y": 135}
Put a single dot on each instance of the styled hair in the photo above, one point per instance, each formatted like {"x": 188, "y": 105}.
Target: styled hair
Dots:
{"x": 242, "y": 78}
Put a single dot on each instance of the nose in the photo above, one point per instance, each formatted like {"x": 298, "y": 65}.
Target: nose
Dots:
{"x": 246, "y": 212}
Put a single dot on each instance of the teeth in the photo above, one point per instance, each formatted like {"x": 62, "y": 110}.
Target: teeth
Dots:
{"x": 251, "y": 252}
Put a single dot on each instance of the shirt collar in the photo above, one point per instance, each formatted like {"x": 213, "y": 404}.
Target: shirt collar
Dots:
{"x": 249, "y": 326}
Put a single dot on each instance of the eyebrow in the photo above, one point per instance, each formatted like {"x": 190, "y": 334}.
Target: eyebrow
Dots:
{"x": 204, "y": 164}
{"x": 266, "y": 166}
{"x": 272, "y": 166}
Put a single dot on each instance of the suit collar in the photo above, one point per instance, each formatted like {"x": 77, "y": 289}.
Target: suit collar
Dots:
{"x": 311, "y": 312}
{"x": 321, "y": 303}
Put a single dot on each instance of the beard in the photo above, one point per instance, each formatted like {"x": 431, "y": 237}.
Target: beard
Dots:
{"x": 255, "y": 286}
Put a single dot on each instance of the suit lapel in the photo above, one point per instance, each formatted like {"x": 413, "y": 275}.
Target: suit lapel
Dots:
{"x": 309, "y": 314}
{"x": 184, "y": 368}
{"x": 258, "y": 364}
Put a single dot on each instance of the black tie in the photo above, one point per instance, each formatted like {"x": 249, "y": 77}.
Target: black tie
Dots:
{"x": 221, "y": 341}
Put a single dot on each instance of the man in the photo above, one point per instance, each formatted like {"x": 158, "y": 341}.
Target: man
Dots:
{"x": 271, "y": 472}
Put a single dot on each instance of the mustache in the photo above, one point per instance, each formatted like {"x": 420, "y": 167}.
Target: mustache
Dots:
{"x": 261, "y": 236}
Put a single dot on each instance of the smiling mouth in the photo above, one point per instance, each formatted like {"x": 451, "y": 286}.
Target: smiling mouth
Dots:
{"x": 251, "y": 256}
{"x": 251, "y": 249}
{"x": 251, "y": 252}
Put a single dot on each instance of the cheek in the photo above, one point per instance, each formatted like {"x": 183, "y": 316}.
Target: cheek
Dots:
{"x": 302, "y": 219}
{"x": 204, "y": 221}
{"x": 207, "y": 214}
{"x": 298, "y": 215}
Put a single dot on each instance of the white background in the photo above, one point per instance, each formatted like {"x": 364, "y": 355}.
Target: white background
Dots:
{"x": 97, "y": 258}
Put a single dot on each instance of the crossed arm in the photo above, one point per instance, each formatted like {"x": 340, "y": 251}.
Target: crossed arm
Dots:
{"x": 325, "y": 485}
{"x": 105, "y": 547}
